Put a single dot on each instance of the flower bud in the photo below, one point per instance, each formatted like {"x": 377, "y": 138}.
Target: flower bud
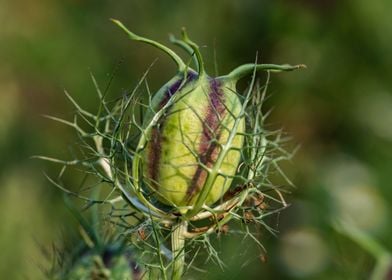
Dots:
{"x": 183, "y": 147}
{"x": 193, "y": 133}
{"x": 111, "y": 263}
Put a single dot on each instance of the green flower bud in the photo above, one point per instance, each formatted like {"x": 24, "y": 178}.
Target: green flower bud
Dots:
{"x": 113, "y": 262}
{"x": 184, "y": 145}
{"x": 193, "y": 134}
{"x": 94, "y": 255}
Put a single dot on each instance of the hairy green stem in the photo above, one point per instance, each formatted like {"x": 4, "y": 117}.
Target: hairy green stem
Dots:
{"x": 178, "y": 243}
{"x": 383, "y": 256}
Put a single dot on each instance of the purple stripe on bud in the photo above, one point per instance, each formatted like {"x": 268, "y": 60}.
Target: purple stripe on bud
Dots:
{"x": 208, "y": 147}
{"x": 172, "y": 89}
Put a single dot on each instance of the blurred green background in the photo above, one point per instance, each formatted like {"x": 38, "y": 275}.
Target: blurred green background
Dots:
{"x": 339, "y": 110}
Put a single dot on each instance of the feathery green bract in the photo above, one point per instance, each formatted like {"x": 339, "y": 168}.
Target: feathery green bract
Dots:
{"x": 94, "y": 254}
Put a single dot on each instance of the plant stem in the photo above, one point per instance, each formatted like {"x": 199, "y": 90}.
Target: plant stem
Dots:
{"x": 382, "y": 255}
{"x": 178, "y": 243}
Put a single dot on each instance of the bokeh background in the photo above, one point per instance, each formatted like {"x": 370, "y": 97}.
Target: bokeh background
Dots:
{"x": 339, "y": 110}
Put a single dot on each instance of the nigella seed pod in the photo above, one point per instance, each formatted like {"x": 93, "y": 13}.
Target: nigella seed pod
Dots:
{"x": 193, "y": 134}
{"x": 187, "y": 140}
